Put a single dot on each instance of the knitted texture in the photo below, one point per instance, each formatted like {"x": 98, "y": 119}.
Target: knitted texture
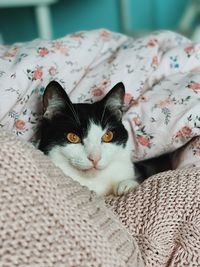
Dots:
{"x": 47, "y": 219}
{"x": 163, "y": 214}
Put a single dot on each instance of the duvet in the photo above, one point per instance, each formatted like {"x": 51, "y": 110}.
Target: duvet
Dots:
{"x": 160, "y": 72}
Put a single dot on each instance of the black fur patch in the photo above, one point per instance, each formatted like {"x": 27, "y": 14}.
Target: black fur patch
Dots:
{"x": 76, "y": 118}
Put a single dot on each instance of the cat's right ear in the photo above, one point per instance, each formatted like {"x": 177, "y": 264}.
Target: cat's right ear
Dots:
{"x": 55, "y": 99}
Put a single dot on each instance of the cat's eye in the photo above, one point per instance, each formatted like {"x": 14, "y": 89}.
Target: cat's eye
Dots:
{"x": 107, "y": 137}
{"x": 73, "y": 138}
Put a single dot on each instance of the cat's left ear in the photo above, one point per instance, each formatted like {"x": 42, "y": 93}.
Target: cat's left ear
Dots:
{"x": 114, "y": 100}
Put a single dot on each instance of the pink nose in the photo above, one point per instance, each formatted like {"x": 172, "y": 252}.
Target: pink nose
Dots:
{"x": 94, "y": 159}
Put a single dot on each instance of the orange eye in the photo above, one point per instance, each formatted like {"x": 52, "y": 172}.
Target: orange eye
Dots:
{"x": 107, "y": 137}
{"x": 73, "y": 138}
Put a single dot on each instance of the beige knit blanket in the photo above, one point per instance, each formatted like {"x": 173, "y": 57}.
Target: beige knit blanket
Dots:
{"x": 47, "y": 219}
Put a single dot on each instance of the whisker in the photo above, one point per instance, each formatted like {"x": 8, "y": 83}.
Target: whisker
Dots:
{"x": 108, "y": 118}
{"x": 103, "y": 113}
{"x": 74, "y": 113}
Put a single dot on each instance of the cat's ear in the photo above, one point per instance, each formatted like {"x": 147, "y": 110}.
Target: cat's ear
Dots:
{"x": 55, "y": 99}
{"x": 114, "y": 100}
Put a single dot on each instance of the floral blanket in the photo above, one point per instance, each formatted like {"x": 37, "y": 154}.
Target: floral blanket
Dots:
{"x": 160, "y": 72}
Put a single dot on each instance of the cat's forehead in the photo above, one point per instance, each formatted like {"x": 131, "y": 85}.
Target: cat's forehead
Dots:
{"x": 94, "y": 129}
{"x": 94, "y": 134}
{"x": 88, "y": 111}
{"x": 94, "y": 114}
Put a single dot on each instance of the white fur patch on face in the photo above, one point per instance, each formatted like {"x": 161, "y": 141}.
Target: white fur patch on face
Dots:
{"x": 80, "y": 155}
{"x": 96, "y": 148}
{"x": 113, "y": 166}
{"x": 92, "y": 143}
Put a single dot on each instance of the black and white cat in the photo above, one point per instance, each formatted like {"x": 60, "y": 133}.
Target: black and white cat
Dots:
{"x": 88, "y": 141}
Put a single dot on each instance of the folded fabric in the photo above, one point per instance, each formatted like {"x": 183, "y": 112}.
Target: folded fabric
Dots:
{"x": 163, "y": 215}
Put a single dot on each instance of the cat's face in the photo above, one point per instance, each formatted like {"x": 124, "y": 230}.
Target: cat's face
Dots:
{"x": 87, "y": 136}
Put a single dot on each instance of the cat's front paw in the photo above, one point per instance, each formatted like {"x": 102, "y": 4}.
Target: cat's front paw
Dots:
{"x": 126, "y": 186}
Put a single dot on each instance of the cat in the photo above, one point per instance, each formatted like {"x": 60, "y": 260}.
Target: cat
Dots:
{"x": 88, "y": 142}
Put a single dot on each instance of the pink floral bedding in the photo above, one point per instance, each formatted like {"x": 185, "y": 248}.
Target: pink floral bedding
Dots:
{"x": 160, "y": 73}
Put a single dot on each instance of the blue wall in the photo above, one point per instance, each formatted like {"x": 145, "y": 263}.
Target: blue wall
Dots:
{"x": 18, "y": 24}
{"x": 69, "y": 16}
{"x": 155, "y": 14}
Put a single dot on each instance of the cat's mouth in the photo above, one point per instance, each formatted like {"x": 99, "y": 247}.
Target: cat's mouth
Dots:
{"x": 89, "y": 170}
{"x": 92, "y": 169}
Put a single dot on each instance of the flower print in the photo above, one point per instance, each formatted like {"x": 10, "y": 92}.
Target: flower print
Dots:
{"x": 43, "y": 51}
{"x": 142, "y": 137}
{"x": 13, "y": 114}
{"x": 189, "y": 50}
{"x": 105, "y": 34}
{"x": 137, "y": 121}
{"x": 135, "y": 103}
{"x": 154, "y": 62}
{"x": 61, "y": 47}
{"x": 186, "y": 131}
{"x": 41, "y": 90}
{"x": 174, "y": 62}
{"x": 21, "y": 57}
{"x": 143, "y": 140}
{"x": 197, "y": 152}
{"x": 77, "y": 35}
{"x": 13, "y": 76}
{"x": 165, "y": 102}
{"x": 99, "y": 89}
{"x": 194, "y": 86}
{"x": 52, "y": 71}
{"x": 64, "y": 50}
{"x": 105, "y": 83}
{"x": 57, "y": 45}
{"x": 128, "y": 98}
{"x": 195, "y": 146}
{"x": 37, "y": 74}
{"x": 143, "y": 99}
{"x": 20, "y": 124}
{"x": 97, "y": 92}
{"x": 11, "y": 53}
{"x": 152, "y": 42}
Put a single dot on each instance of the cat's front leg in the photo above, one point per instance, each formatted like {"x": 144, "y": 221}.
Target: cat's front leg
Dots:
{"x": 125, "y": 186}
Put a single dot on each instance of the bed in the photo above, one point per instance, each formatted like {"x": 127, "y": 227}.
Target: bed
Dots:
{"x": 155, "y": 225}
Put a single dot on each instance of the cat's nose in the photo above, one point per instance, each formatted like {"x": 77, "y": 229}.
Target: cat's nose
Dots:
{"x": 94, "y": 158}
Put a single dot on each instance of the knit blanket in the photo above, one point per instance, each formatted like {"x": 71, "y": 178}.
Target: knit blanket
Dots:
{"x": 160, "y": 72}
{"x": 48, "y": 219}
